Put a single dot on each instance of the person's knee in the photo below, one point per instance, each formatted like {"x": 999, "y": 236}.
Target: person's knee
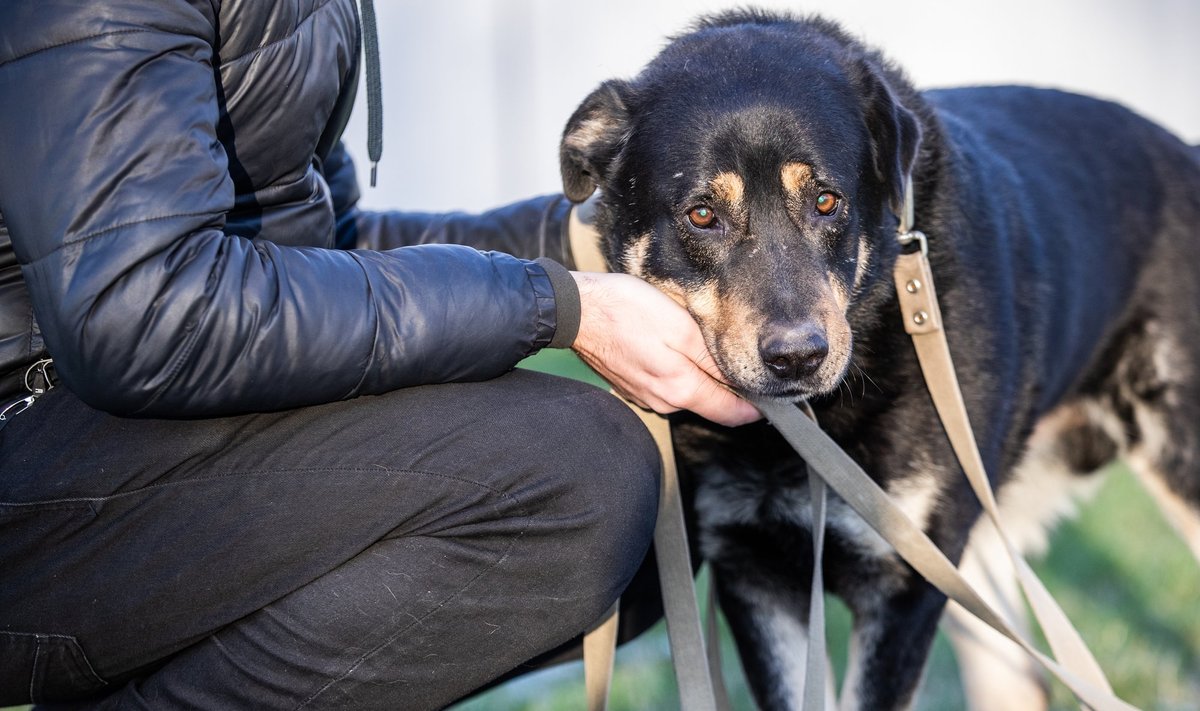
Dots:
{"x": 607, "y": 500}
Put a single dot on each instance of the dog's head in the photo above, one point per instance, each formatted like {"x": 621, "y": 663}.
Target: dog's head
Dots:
{"x": 748, "y": 172}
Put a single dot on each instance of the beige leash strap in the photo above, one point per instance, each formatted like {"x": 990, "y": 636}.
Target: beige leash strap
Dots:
{"x": 599, "y": 654}
{"x": 712, "y": 633}
{"x": 817, "y": 696}
{"x": 696, "y": 692}
{"x": 815, "y": 656}
{"x": 922, "y": 319}
{"x": 875, "y": 507}
{"x": 816, "y": 665}
{"x": 923, "y": 322}
{"x": 675, "y": 577}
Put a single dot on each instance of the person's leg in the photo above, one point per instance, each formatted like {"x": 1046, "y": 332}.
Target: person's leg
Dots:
{"x": 389, "y": 552}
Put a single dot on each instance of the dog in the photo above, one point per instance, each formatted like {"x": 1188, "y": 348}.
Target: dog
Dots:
{"x": 753, "y": 171}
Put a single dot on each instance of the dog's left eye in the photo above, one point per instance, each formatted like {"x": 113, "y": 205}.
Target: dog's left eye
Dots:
{"x": 827, "y": 203}
{"x": 702, "y": 216}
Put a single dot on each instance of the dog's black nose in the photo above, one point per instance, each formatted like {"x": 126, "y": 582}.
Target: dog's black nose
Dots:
{"x": 794, "y": 352}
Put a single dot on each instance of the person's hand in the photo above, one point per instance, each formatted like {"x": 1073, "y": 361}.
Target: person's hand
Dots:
{"x": 650, "y": 350}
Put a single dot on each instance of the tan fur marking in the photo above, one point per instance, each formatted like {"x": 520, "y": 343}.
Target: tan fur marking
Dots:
{"x": 586, "y": 133}
{"x": 729, "y": 326}
{"x": 841, "y": 296}
{"x": 634, "y": 257}
{"x": 728, "y": 188}
{"x": 794, "y": 176}
{"x": 864, "y": 255}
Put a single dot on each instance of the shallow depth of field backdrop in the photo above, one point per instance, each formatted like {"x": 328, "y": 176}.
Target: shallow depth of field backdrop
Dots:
{"x": 476, "y": 93}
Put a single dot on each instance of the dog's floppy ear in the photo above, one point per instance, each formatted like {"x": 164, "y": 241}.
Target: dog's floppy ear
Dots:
{"x": 895, "y": 135}
{"x": 592, "y": 139}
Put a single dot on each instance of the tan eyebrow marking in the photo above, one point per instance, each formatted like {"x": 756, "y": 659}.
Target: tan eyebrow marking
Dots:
{"x": 729, "y": 188}
{"x": 794, "y": 176}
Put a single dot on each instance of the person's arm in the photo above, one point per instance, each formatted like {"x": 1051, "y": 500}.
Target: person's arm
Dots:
{"x": 115, "y": 187}
{"x": 528, "y": 229}
{"x": 638, "y": 339}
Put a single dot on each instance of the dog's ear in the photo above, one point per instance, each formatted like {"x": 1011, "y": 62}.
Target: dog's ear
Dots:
{"x": 593, "y": 138}
{"x": 895, "y": 135}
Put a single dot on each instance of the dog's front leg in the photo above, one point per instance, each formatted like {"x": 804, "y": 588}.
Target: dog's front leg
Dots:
{"x": 893, "y": 630}
{"x": 770, "y": 625}
{"x": 997, "y": 674}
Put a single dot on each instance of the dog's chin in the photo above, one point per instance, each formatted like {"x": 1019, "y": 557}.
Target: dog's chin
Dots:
{"x": 784, "y": 392}
{"x": 769, "y": 388}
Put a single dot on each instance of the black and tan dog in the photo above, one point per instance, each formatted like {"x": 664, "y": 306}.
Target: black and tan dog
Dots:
{"x": 751, "y": 171}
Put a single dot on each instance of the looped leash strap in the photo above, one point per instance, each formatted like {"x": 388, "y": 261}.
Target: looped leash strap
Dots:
{"x": 816, "y": 666}
{"x": 696, "y": 691}
{"x": 675, "y": 577}
{"x": 922, "y": 320}
{"x": 599, "y": 654}
{"x": 876, "y": 508}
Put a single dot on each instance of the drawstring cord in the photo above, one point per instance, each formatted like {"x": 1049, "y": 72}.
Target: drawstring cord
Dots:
{"x": 374, "y": 86}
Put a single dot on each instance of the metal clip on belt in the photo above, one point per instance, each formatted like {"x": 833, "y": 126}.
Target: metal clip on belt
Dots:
{"x": 37, "y": 382}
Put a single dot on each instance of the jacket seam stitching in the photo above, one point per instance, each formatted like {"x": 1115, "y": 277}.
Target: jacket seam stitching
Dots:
{"x": 77, "y": 40}
{"x": 100, "y": 233}
{"x": 287, "y": 38}
{"x": 362, "y": 378}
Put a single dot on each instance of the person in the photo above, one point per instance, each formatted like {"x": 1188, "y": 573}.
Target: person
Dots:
{"x": 261, "y": 448}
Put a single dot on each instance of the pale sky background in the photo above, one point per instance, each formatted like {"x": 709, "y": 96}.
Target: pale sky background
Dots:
{"x": 476, "y": 92}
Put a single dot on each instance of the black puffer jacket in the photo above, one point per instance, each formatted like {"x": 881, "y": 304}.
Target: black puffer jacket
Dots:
{"x": 168, "y": 233}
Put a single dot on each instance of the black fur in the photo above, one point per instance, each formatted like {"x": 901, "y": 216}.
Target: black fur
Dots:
{"x": 1063, "y": 234}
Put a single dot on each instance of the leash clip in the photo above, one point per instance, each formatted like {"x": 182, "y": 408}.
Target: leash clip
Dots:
{"x": 37, "y": 377}
{"x": 907, "y": 238}
{"x": 905, "y": 234}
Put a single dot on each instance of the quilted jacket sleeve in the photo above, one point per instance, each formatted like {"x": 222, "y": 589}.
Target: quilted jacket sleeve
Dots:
{"x": 115, "y": 188}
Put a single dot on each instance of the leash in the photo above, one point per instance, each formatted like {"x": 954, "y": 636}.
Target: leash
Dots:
{"x": 923, "y": 322}
{"x": 829, "y": 465}
{"x": 696, "y": 684}
{"x": 1076, "y": 667}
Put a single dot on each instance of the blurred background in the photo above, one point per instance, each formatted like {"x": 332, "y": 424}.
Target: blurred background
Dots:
{"x": 476, "y": 93}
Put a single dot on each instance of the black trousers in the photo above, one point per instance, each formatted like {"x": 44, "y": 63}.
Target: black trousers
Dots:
{"x": 392, "y": 552}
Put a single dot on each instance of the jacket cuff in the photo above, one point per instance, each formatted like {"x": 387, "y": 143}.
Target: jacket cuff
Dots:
{"x": 566, "y": 299}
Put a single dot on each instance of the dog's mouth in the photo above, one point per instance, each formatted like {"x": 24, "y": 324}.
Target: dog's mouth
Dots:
{"x": 782, "y": 394}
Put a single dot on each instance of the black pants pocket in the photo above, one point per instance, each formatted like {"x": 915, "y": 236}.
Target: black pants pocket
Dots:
{"x": 36, "y": 668}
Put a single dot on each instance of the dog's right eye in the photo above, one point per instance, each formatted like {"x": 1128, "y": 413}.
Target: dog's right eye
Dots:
{"x": 702, "y": 216}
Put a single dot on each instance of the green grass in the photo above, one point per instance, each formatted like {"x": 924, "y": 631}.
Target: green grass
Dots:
{"x": 1123, "y": 577}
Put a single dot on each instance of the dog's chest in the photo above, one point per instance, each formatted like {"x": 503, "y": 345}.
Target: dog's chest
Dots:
{"x": 748, "y": 512}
